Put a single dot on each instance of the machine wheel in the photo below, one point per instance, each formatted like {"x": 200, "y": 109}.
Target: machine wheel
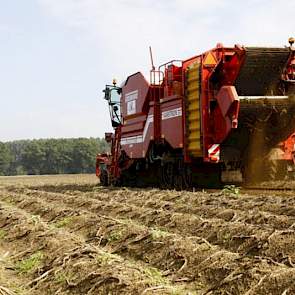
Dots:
{"x": 182, "y": 175}
{"x": 104, "y": 179}
{"x": 167, "y": 175}
{"x": 187, "y": 177}
{"x": 176, "y": 175}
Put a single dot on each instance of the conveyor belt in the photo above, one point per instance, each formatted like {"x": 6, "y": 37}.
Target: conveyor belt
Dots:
{"x": 267, "y": 112}
{"x": 261, "y": 72}
{"x": 262, "y": 103}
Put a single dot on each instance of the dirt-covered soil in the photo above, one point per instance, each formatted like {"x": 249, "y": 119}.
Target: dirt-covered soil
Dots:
{"x": 67, "y": 235}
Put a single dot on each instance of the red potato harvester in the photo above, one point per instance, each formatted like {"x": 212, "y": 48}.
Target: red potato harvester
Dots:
{"x": 224, "y": 116}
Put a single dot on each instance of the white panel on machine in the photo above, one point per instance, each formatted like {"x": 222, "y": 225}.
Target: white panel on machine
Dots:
{"x": 130, "y": 99}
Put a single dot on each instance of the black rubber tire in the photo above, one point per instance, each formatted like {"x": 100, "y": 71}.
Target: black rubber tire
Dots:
{"x": 104, "y": 178}
{"x": 167, "y": 175}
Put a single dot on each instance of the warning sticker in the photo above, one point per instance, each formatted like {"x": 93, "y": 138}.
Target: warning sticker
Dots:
{"x": 130, "y": 99}
{"x": 131, "y": 107}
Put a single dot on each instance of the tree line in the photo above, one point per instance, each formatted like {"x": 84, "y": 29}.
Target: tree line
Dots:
{"x": 50, "y": 156}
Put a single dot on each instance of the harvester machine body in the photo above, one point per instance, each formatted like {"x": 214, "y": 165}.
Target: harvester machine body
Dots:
{"x": 213, "y": 118}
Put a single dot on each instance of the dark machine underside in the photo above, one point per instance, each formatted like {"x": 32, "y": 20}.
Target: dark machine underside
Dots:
{"x": 267, "y": 107}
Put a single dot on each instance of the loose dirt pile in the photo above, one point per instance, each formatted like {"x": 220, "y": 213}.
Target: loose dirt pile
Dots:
{"x": 60, "y": 237}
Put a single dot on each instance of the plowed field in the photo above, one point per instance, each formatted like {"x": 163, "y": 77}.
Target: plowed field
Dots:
{"x": 67, "y": 235}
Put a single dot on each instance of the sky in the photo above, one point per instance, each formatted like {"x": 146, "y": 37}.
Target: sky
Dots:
{"x": 57, "y": 55}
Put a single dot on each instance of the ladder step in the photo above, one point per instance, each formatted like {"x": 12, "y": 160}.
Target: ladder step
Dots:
{"x": 194, "y": 136}
{"x": 192, "y": 98}
{"x": 192, "y": 78}
{"x": 194, "y": 117}
{"x": 193, "y": 129}
{"x": 197, "y": 153}
{"x": 194, "y": 146}
{"x": 192, "y": 88}
{"x": 193, "y": 107}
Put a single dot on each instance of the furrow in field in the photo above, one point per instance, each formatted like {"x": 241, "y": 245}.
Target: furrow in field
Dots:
{"x": 246, "y": 239}
{"x": 185, "y": 259}
{"x": 272, "y": 207}
{"x": 55, "y": 261}
{"x": 179, "y": 203}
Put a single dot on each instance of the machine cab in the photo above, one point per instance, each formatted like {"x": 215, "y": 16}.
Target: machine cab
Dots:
{"x": 112, "y": 94}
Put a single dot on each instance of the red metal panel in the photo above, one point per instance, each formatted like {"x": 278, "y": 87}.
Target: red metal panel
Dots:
{"x": 172, "y": 125}
{"x": 288, "y": 146}
{"x": 206, "y": 95}
{"x": 226, "y": 113}
{"x": 229, "y": 61}
{"x": 132, "y": 144}
{"x": 136, "y": 144}
{"x": 132, "y": 127}
{"x": 148, "y": 132}
{"x": 134, "y": 102}
{"x": 135, "y": 119}
{"x": 134, "y": 95}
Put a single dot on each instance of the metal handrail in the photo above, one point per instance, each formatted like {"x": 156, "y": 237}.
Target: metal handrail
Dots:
{"x": 156, "y": 80}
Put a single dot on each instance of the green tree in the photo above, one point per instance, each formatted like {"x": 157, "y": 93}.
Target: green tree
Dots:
{"x": 33, "y": 158}
{"x": 17, "y": 148}
{"x": 5, "y": 159}
{"x": 103, "y": 146}
{"x": 51, "y": 156}
{"x": 84, "y": 152}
